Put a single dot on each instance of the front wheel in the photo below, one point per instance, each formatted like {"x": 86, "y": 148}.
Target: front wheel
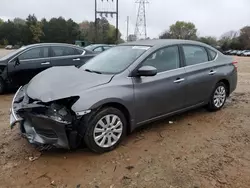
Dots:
{"x": 218, "y": 97}
{"x": 105, "y": 130}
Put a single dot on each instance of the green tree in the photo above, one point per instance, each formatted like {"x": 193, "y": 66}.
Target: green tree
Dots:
{"x": 1, "y": 21}
{"x": 34, "y": 32}
{"x": 209, "y": 40}
{"x": 181, "y": 30}
{"x": 244, "y": 38}
{"x": 19, "y": 21}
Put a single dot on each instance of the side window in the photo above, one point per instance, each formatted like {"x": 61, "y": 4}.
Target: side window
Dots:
{"x": 164, "y": 59}
{"x": 105, "y": 48}
{"x": 98, "y": 49}
{"x": 79, "y": 52}
{"x": 195, "y": 54}
{"x": 35, "y": 53}
{"x": 212, "y": 54}
{"x": 58, "y": 51}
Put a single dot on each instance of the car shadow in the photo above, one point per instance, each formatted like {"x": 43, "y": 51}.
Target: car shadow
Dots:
{"x": 163, "y": 123}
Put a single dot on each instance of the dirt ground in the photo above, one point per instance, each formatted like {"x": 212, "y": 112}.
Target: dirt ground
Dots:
{"x": 200, "y": 149}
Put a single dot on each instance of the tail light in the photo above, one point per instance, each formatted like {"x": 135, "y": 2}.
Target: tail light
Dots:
{"x": 235, "y": 65}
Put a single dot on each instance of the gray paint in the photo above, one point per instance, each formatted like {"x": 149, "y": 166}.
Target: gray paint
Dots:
{"x": 146, "y": 98}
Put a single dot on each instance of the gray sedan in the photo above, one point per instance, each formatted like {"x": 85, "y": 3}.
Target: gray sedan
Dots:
{"x": 119, "y": 90}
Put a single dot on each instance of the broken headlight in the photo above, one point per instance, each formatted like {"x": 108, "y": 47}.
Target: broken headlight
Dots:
{"x": 59, "y": 113}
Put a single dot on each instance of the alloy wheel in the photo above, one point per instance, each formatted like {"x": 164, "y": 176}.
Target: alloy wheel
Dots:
{"x": 108, "y": 131}
{"x": 219, "y": 96}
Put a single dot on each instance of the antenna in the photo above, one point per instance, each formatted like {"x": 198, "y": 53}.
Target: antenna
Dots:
{"x": 141, "y": 26}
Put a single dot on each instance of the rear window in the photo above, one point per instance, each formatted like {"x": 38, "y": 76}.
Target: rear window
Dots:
{"x": 212, "y": 54}
{"x": 194, "y": 54}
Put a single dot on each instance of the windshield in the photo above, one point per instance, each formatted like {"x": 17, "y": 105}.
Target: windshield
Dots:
{"x": 12, "y": 53}
{"x": 115, "y": 59}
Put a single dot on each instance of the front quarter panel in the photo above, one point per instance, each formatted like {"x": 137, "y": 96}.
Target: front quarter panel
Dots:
{"x": 119, "y": 90}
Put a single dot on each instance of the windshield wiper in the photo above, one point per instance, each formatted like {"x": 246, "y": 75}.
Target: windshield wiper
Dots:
{"x": 92, "y": 71}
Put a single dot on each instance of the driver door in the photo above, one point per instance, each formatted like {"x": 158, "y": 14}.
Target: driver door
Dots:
{"x": 163, "y": 93}
{"x": 28, "y": 64}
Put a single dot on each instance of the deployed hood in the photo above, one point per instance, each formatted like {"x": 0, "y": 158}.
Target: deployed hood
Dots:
{"x": 62, "y": 82}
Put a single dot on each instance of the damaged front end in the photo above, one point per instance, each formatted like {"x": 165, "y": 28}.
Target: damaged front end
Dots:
{"x": 52, "y": 123}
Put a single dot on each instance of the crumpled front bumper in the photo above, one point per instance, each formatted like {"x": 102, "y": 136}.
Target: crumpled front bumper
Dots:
{"x": 39, "y": 129}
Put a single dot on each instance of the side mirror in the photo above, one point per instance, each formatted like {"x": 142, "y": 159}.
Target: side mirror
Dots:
{"x": 147, "y": 71}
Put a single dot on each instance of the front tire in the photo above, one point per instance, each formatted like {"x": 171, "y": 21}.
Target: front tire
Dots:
{"x": 218, "y": 97}
{"x": 105, "y": 130}
{"x": 2, "y": 86}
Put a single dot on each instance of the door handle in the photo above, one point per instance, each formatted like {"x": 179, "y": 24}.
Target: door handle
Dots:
{"x": 77, "y": 59}
{"x": 212, "y": 72}
{"x": 46, "y": 63}
{"x": 178, "y": 80}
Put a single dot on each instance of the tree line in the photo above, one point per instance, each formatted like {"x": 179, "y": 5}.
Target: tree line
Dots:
{"x": 230, "y": 40}
{"x": 31, "y": 30}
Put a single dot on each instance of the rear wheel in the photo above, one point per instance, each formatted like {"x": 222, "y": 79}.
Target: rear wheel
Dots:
{"x": 105, "y": 130}
{"x": 2, "y": 86}
{"x": 218, "y": 98}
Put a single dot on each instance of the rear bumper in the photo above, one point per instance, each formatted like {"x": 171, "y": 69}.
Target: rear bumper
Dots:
{"x": 233, "y": 81}
{"x": 39, "y": 129}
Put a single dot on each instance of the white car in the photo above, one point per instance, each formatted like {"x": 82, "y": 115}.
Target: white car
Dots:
{"x": 247, "y": 53}
{"x": 8, "y": 47}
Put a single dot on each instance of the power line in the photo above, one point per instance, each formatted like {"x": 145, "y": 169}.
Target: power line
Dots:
{"x": 106, "y": 11}
{"x": 141, "y": 24}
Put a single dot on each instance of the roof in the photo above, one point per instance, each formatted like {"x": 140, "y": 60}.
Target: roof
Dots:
{"x": 161, "y": 42}
{"x": 42, "y": 44}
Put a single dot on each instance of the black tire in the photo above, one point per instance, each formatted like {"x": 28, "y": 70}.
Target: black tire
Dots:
{"x": 2, "y": 86}
{"x": 89, "y": 128}
{"x": 211, "y": 105}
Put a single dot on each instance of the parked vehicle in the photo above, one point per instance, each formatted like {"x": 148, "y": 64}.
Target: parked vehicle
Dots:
{"x": 18, "y": 67}
{"x": 246, "y": 53}
{"x": 227, "y": 52}
{"x": 239, "y": 52}
{"x": 234, "y": 52}
{"x": 121, "y": 89}
{"x": 98, "y": 48}
{"x": 9, "y": 47}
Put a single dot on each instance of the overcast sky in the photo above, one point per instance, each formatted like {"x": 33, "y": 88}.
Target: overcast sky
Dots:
{"x": 211, "y": 17}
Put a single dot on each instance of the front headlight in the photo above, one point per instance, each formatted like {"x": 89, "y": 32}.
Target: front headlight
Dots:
{"x": 59, "y": 113}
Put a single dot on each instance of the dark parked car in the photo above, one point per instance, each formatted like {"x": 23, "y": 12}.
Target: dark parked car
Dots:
{"x": 98, "y": 48}
{"x": 18, "y": 67}
{"x": 121, "y": 89}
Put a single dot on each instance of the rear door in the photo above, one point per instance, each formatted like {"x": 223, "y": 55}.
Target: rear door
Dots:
{"x": 200, "y": 74}
{"x": 68, "y": 56}
{"x": 31, "y": 62}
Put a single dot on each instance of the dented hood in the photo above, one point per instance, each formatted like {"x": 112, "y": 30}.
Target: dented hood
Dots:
{"x": 62, "y": 82}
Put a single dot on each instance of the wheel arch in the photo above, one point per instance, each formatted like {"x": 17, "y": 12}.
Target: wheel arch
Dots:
{"x": 226, "y": 82}
{"x": 123, "y": 109}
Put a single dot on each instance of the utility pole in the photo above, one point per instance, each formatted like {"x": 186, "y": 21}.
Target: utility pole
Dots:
{"x": 141, "y": 26}
{"x": 127, "y": 27}
{"x": 117, "y": 14}
{"x": 105, "y": 12}
{"x": 95, "y": 21}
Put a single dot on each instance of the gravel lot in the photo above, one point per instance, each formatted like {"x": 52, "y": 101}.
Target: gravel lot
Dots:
{"x": 200, "y": 149}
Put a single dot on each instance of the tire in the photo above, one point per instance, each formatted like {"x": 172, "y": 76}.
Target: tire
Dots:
{"x": 2, "y": 86}
{"x": 216, "y": 103}
{"x": 99, "y": 135}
